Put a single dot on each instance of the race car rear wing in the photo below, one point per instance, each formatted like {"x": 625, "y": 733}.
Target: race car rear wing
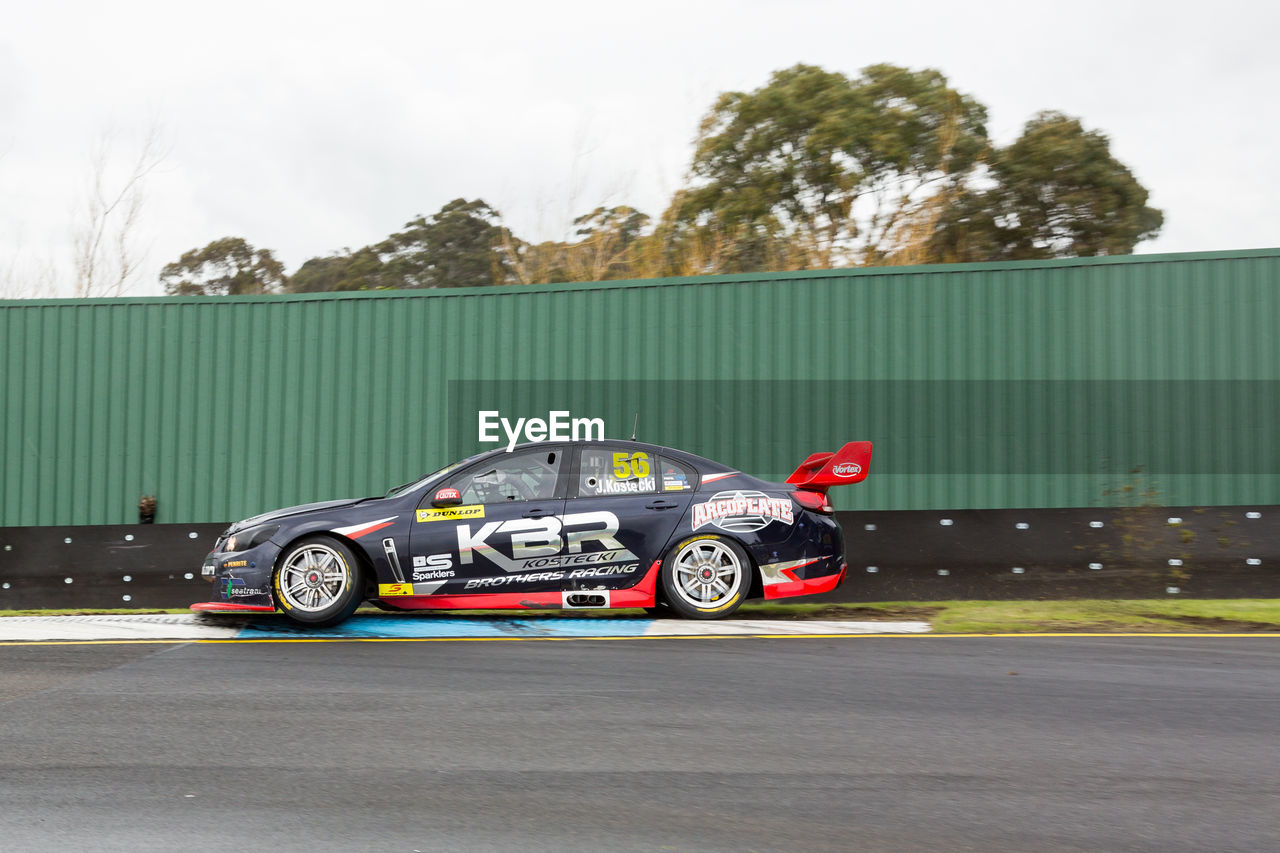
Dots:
{"x": 821, "y": 471}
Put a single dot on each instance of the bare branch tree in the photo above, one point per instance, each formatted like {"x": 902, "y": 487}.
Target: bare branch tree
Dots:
{"x": 25, "y": 276}
{"x": 105, "y": 254}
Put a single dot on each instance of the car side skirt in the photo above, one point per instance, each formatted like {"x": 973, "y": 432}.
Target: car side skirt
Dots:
{"x": 640, "y": 595}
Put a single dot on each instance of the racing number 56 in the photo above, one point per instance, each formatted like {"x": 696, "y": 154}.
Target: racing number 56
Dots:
{"x": 628, "y": 465}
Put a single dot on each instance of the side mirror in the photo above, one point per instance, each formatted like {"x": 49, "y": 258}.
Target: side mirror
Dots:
{"x": 447, "y": 497}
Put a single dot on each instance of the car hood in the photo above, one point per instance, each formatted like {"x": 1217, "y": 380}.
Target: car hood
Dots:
{"x": 291, "y": 510}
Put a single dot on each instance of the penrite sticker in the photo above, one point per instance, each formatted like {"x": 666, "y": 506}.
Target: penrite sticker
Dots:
{"x": 452, "y": 513}
{"x": 742, "y": 511}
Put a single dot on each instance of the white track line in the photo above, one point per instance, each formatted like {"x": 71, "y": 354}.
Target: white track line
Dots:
{"x": 151, "y": 627}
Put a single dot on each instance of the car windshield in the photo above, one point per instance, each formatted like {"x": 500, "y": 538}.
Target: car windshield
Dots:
{"x": 405, "y": 489}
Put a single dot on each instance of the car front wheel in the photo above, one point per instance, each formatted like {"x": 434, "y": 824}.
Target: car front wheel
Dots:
{"x": 706, "y": 577}
{"x": 317, "y": 582}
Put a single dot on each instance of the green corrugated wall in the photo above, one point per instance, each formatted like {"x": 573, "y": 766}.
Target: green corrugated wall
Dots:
{"x": 1037, "y": 384}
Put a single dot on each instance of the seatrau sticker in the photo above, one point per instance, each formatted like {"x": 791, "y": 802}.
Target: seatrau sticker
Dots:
{"x": 742, "y": 511}
{"x": 234, "y": 587}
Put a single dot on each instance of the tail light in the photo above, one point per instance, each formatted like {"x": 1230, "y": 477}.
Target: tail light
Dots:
{"x": 816, "y": 501}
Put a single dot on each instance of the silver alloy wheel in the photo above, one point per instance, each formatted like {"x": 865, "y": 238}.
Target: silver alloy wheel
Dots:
{"x": 707, "y": 572}
{"x": 314, "y": 577}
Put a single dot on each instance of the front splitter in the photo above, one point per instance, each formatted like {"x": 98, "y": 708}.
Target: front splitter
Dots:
{"x": 231, "y": 607}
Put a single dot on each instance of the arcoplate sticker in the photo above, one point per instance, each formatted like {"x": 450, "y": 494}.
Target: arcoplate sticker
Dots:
{"x": 452, "y": 513}
{"x": 742, "y": 511}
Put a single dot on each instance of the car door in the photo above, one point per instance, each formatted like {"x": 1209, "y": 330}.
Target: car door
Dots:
{"x": 505, "y": 534}
{"x": 635, "y": 492}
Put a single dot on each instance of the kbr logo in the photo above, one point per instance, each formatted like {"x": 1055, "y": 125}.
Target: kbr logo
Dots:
{"x": 537, "y": 543}
{"x": 846, "y": 469}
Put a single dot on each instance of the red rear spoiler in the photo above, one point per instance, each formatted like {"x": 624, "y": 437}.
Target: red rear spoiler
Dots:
{"x": 821, "y": 471}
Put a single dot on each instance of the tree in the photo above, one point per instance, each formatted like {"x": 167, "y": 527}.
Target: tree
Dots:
{"x": 105, "y": 255}
{"x": 816, "y": 169}
{"x": 360, "y": 270}
{"x": 609, "y": 236}
{"x": 1056, "y": 192}
{"x": 226, "y": 267}
{"x": 613, "y": 243}
{"x": 457, "y": 247}
{"x": 106, "y": 249}
{"x": 536, "y": 263}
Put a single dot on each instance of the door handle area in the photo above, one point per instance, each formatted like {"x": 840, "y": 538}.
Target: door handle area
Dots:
{"x": 661, "y": 504}
{"x": 536, "y": 512}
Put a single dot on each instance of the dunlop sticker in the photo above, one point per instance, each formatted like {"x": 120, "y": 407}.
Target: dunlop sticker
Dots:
{"x": 452, "y": 513}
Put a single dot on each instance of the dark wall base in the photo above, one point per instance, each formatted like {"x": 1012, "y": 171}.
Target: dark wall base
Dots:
{"x": 1213, "y": 552}
{"x": 1137, "y": 552}
{"x": 126, "y": 565}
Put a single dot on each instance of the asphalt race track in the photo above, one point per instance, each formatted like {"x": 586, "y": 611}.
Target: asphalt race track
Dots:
{"x": 853, "y": 743}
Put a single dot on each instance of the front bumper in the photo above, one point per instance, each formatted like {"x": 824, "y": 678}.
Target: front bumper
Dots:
{"x": 241, "y": 580}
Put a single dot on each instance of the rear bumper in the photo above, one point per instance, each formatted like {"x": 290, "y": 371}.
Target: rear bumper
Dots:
{"x": 809, "y": 586}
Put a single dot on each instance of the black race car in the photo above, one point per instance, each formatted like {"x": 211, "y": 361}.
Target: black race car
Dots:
{"x": 547, "y": 526}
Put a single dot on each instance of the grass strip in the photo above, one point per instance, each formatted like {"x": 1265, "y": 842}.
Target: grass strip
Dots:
{"x": 1084, "y": 615}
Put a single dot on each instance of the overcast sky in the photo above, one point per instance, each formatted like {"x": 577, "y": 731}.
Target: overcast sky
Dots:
{"x": 306, "y": 128}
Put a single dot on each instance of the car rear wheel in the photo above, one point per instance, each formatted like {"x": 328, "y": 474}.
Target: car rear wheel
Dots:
{"x": 706, "y": 577}
{"x": 317, "y": 581}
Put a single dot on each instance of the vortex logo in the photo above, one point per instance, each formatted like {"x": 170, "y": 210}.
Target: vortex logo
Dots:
{"x": 846, "y": 469}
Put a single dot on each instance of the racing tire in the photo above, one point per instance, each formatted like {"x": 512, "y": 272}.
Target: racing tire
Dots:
{"x": 705, "y": 577}
{"x": 318, "y": 581}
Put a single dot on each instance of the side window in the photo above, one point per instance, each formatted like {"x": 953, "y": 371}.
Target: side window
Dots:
{"x": 616, "y": 471}
{"x": 527, "y": 476}
{"x": 676, "y": 476}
